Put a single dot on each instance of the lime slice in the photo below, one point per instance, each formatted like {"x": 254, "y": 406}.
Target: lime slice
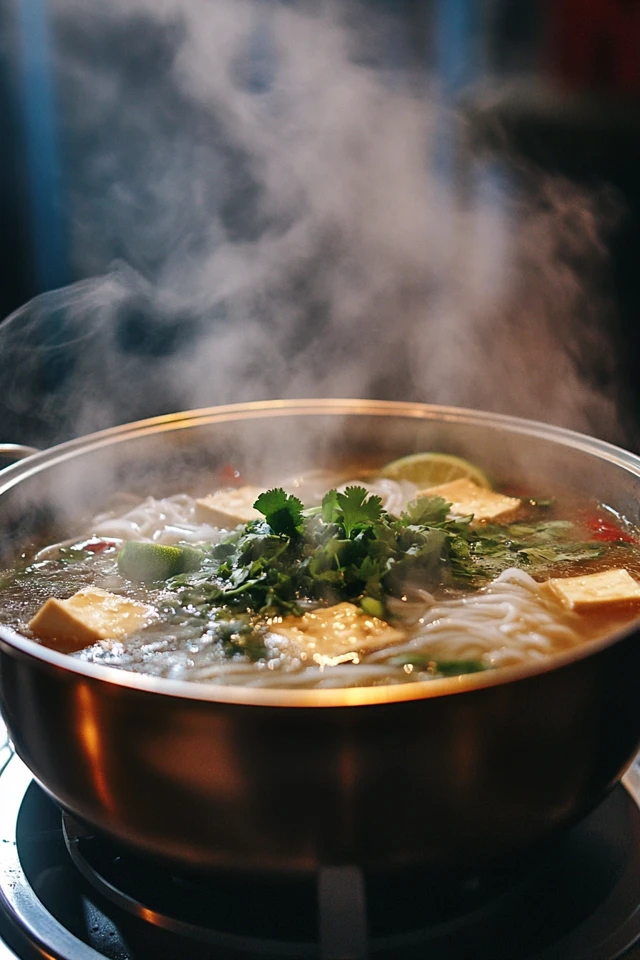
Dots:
{"x": 430, "y": 469}
{"x": 146, "y": 561}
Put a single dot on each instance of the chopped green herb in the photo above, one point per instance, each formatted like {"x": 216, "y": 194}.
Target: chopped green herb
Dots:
{"x": 442, "y": 668}
{"x": 356, "y": 509}
{"x": 453, "y": 668}
{"x": 283, "y": 512}
{"x": 350, "y": 549}
{"x": 372, "y": 607}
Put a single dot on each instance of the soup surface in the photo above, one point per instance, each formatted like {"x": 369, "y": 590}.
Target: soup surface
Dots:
{"x": 331, "y": 580}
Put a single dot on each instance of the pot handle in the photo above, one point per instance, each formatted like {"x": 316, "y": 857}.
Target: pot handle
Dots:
{"x": 16, "y": 451}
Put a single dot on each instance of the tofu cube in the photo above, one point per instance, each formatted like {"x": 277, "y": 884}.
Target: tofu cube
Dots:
{"x": 595, "y": 590}
{"x": 332, "y": 635}
{"x": 87, "y": 617}
{"x": 228, "y": 508}
{"x": 467, "y": 497}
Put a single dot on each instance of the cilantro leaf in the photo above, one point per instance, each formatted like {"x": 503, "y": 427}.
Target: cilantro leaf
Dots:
{"x": 350, "y": 549}
{"x": 426, "y": 511}
{"x": 357, "y": 508}
{"x": 483, "y": 553}
{"x": 442, "y": 668}
{"x": 283, "y": 513}
{"x": 330, "y": 507}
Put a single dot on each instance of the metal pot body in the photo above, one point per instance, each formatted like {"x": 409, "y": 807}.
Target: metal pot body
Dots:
{"x": 448, "y": 774}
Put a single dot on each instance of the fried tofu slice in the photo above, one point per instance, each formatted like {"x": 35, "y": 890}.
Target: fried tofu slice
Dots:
{"x": 228, "y": 508}
{"x": 337, "y": 634}
{"x": 87, "y": 617}
{"x": 467, "y": 497}
{"x": 595, "y": 590}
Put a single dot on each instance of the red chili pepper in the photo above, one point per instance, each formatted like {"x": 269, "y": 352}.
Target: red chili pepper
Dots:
{"x": 97, "y": 546}
{"x": 607, "y": 531}
{"x": 229, "y": 475}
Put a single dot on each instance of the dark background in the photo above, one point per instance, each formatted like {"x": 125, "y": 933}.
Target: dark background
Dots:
{"x": 556, "y": 85}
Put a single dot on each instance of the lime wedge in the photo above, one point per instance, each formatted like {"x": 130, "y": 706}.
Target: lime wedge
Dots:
{"x": 430, "y": 469}
{"x": 144, "y": 561}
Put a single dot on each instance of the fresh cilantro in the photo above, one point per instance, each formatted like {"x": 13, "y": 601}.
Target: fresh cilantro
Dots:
{"x": 536, "y": 547}
{"x": 453, "y": 668}
{"x": 426, "y": 511}
{"x": 330, "y": 509}
{"x": 350, "y": 549}
{"x": 357, "y": 509}
{"x": 238, "y": 636}
{"x": 283, "y": 512}
{"x": 439, "y": 668}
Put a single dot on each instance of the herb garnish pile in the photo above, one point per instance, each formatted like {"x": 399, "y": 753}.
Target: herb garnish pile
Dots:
{"x": 349, "y": 548}
{"x": 292, "y": 558}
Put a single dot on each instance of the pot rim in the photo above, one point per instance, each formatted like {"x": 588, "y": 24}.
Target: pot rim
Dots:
{"x": 118, "y": 681}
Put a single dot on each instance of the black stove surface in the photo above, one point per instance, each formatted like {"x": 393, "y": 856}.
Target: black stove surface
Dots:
{"x": 66, "y": 894}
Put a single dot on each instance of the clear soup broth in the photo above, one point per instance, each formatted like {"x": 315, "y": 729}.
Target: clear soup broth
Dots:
{"x": 355, "y": 577}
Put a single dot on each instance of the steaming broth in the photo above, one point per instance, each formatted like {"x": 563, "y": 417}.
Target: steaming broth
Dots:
{"x": 426, "y": 595}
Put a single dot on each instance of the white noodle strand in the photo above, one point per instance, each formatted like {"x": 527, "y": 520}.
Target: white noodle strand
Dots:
{"x": 512, "y": 620}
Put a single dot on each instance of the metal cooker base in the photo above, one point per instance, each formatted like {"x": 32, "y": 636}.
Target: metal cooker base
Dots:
{"x": 581, "y": 903}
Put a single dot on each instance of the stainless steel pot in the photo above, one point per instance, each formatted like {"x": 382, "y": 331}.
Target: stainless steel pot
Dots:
{"x": 444, "y": 774}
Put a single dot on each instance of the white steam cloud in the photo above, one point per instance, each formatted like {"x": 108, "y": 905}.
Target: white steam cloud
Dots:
{"x": 271, "y": 194}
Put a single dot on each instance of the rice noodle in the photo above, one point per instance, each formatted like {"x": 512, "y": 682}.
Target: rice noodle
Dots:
{"x": 510, "y": 621}
{"x": 173, "y": 519}
{"x": 169, "y": 520}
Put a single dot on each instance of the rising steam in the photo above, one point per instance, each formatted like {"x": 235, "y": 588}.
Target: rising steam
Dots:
{"x": 281, "y": 230}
